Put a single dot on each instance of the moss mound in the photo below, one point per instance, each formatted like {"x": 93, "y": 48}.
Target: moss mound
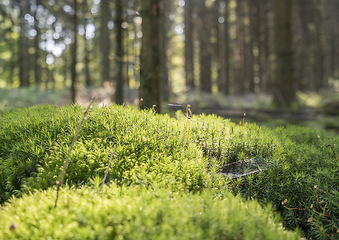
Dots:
{"x": 178, "y": 154}
{"x": 137, "y": 213}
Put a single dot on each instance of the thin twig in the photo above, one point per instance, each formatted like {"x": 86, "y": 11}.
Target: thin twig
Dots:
{"x": 106, "y": 172}
{"x": 243, "y": 120}
{"x": 61, "y": 177}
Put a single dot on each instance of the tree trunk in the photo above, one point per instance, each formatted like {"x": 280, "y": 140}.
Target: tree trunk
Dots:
{"x": 150, "y": 60}
{"x": 205, "y": 48}
{"x": 239, "y": 81}
{"x": 88, "y": 80}
{"x": 24, "y": 55}
{"x": 37, "y": 60}
{"x": 264, "y": 44}
{"x": 105, "y": 42}
{"x": 284, "y": 92}
{"x": 224, "y": 52}
{"x": 166, "y": 88}
{"x": 119, "y": 52}
{"x": 74, "y": 53}
{"x": 189, "y": 66}
{"x": 319, "y": 67}
{"x": 253, "y": 42}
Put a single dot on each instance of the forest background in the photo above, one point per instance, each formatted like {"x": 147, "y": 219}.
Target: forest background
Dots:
{"x": 212, "y": 54}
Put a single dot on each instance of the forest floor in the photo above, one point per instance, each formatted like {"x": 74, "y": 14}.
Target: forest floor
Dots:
{"x": 318, "y": 110}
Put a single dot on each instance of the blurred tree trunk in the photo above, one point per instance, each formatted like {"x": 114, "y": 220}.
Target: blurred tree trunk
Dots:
{"x": 306, "y": 56}
{"x": 37, "y": 60}
{"x": 284, "y": 92}
{"x": 223, "y": 85}
{"x": 253, "y": 42}
{"x": 318, "y": 66}
{"x": 88, "y": 80}
{"x": 119, "y": 53}
{"x": 24, "y": 45}
{"x": 189, "y": 49}
{"x": 51, "y": 76}
{"x": 65, "y": 68}
{"x": 264, "y": 44}
{"x": 166, "y": 93}
{"x": 298, "y": 45}
{"x": 104, "y": 40}
{"x": 74, "y": 53}
{"x": 13, "y": 62}
{"x": 330, "y": 35}
{"x": 150, "y": 56}
{"x": 205, "y": 48}
{"x": 326, "y": 25}
{"x": 239, "y": 81}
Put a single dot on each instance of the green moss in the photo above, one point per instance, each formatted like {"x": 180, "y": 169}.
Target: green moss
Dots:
{"x": 179, "y": 154}
{"x": 137, "y": 213}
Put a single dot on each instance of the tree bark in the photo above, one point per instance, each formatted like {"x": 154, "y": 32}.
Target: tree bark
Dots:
{"x": 205, "y": 56}
{"x": 150, "y": 60}
{"x": 74, "y": 53}
{"x": 189, "y": 66}
{"x": 24, "y": 55}
{"x": 105, "y": 42}
{"x": 253, "y": 42}
{"x": 224, "y": 86}
{"x": 166, "y": 88}
{"x": 37, "y": 60}
{"x": 88, "y": 80}
{"x": 284, "y": 92}
{"x": 239, "y": 80}
{"x": 319, "y": 67}
{"x": 264, "y": 44}
{"x": 119, "y": 53}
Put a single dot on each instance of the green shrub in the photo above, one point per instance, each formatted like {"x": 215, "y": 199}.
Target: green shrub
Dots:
{"x": 137, "y": 213}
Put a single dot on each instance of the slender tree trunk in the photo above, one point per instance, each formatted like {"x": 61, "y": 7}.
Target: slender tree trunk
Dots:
{"x": 189, "y": 66}
{"x": 119, "y": 52}
{"x": 166, "y": 89}
{"x": 224, "y": 52}
{"x": 239, "y": 50}
{"x": 298, "y": 45}
{"x": 74, "y": 53}
{"x": 319, "y": 67}
{"x": 150, "y": 57}
{"x": 253, "y": 42}
{"x": 105, "y": 42}
{"x": 304, "y": 12}
{"x": 326, "y": 24}
{"x": 284, "y": 92}
{"x": 13, "y": 60}
{"x": 205, "y": 50}
{"x": 88, "y": 80}
{"x": 218, "y": 45}
{"x": 65, "y": 69}
{"x": 24, "y": 55}
{"x": 37, "y": 61}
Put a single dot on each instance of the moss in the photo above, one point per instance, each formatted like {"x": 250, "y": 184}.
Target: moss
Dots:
{"x": 181, "y": 154}
{"x": 137, "y": 213}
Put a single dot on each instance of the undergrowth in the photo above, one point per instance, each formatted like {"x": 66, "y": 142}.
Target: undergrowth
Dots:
{"x": 119, "y": 212}
{"x": 182, "y": 155}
